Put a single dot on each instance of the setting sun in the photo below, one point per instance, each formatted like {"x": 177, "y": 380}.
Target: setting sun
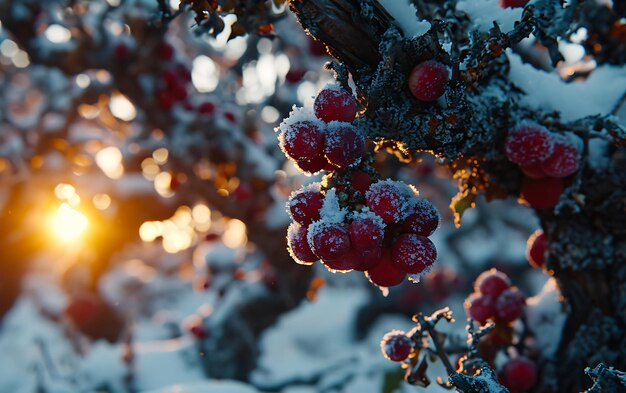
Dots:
{"x": 68, "y": 223}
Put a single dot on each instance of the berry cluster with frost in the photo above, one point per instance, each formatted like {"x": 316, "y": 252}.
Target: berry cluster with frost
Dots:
{"x": 323, "y": 139}
{"x": 545, "y": 159}
{"x": 383, "y": 232}
{"x": 494, "y": 299}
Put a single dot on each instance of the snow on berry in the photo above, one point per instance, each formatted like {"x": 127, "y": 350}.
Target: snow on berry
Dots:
{"x": 528, "y": 144}
{"x": 334, "y": 103}
{"x": 391, "y": 200}
{"x": 518, "y": 374}
{"x": 385, "y": 273}
{"x": 331, "y": 211}
{"x": 413, "y": 253}
{"x": 302, "y": 141}
{"x": 344, "y": 145}
{"x": 298, "y": 245}
{"x": 564, "y": 160}
{"x": 428, "y": 80}
{"x": 492, "y": 283}
{"x": 424, "y": 219}
{"x": 304, "y": 204}
{"x": 510, "y": 305}
{"x": 396, "y": 345}
{"x": 536, "y": 249}
{"x": 479, "y": 307}
{"x": 367, "y": 230}
{"x": 542, "y": 193}
{"x": 328, "y": 240}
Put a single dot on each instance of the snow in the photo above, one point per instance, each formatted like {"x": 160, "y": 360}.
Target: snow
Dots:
{"x": 545, "y": 318}
{"x": 597, "y": 95}
{"x": 298, "y": 114}
{"x": 484, "y": 12}
{"x": 331, "y": 212}
{"x": 207, "y": 387}
{"x": 405, "y": 15}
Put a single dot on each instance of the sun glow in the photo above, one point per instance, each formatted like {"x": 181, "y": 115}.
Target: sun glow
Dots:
{"x": 68, "y": 223}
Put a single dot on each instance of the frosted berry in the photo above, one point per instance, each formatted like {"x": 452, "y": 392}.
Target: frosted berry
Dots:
{"x": 346, "y": 263}
{"x": 427, "y": 80}
{"x": 492, "y": 283}
{"x": 564, "y": 159}
{"x": 318, "y": 163}
{"x": 528, "y": 144}
{"x": 343, "y": 145}
{"x": 479, "y": 307}
{"x": 519, "y": 374}
{"x": 385, "y": 273}
{"x": 366, "y": 233}
{"x": 536, "y": 249}
{"x": 329, "y": 241}
{"x": 396, "y": 345}
{"x": 302, "y": 141}
{"x": 298, "y": 245}
{"x": 335, "y": 104}
{"x": 542, "y": 193}
{"x": 304, "y": 204}
{"x": 510, "y": 305}
{"x": 368, "y": 259}
{"x": 413, "y": 253}
{"x": 389, "y": 199}
{"x": 423, "y": 220}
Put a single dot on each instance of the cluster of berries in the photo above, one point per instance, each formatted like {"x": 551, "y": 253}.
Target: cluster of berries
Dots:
{"x": 494, "y": 298}
{"x": 537, "y": 249}
{"x": 387, "y": 238}
{"x": 173, "y": 78}
{"x": 545, "y": 158}
{"x": 325, "y": 140}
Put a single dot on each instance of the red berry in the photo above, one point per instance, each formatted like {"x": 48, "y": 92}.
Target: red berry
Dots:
{"x": 302, "y": 141}
{"x": 183, "y": 72}
{"x": 396, "y": 345}
{"x": 510, "y": 305}
{"x": 479, "y": 307}
{"x": 492, "y": 283}
{"x": 329, "y": 241}
{"x": 385, "y": 273}
{"x": 82, "y": 308}
{"x": 427, "y": 80}
{"x": 313, "y": 166}
{"x": 564, "y": 160}
{"x": 361, "y": 181}
{"x": 165, "y": 51}
{"x": 120, "y": 51}
{"x": 366, "y": 232}
{"x": 413, "y": 253}
{"x": 206, "y": 108}
{"x": 536, "y": 249}
{"x": 368, "y": 259}
{"x": 423, "y": 220}
{"x": 528, "y": 144}
{"x": 519, "y": 374}
{"x": 165, "y": 98}
{"x": 346, "y": 263}
{"x": 534, "y": 171}
{"x": 295, "y": 75}
{"x": 304, "y": 204}
{"x": 298, "y": 245}
{"x": 513, "y": 3}
{"x": 343, "y": 145}
{"x": 193, "y": 324}
{"x": 335, "y": 104}
{"x": 542, "y": 193}
{"x": 317, "y": 48}
{"x": 389, "y": 199}
{"x": 230, "y": 117}
{"x": 169, "y": 76}
{"x": 243, "y": 192}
